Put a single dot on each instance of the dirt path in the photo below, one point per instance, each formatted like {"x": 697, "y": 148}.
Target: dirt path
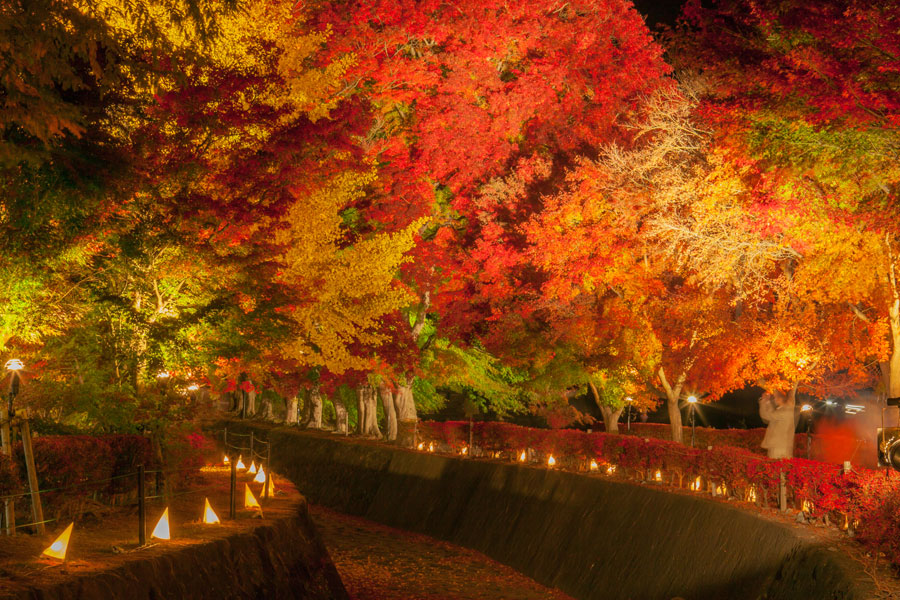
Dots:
{"x": 381, "y": 563}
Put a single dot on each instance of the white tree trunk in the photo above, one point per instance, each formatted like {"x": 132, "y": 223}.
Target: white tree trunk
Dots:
{"x": 368, "y": 412}
{"x": 265, "y": 409}
{"x": 611, "y": 418}
{"x": 405, "y": 406}
{"x": 251, "y": 403}
{"x": 672, "y": 397}
{"x": 340, "y": 415}
{"x": 390, "y": 412}
{"x": 315, "y": 409}
{"x": 290, "y": 413}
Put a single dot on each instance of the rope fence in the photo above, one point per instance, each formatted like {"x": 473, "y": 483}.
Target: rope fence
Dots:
{"x": 258, "y": 450}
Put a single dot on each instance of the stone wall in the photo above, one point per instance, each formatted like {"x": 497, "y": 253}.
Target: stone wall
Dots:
{"x": 588, "y": 536}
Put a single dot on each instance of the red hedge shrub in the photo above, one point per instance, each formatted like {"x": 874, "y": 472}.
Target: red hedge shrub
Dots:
{"x": 864, "y": 500}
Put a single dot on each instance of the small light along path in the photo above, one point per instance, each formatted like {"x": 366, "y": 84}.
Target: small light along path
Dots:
{"x": 377, "y": 562}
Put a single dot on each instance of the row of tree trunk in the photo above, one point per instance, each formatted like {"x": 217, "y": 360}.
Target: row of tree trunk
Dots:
{"x": 399, "y": 410}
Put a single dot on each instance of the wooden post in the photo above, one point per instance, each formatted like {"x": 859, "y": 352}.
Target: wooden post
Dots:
{"x": 233, "y": 508}
{"x": 37, "y": 510}
{"x": 9, "y": 504}
{"x": 470, "y": 451}
{"x": 268, "y": 471}
{"x": 226, "y": 442}
{"x": 782, "y": 492}
{"x": 252, "y": 456}
{"x": 142, "y": 508}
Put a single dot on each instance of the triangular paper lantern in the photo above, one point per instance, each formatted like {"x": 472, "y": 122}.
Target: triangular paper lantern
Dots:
{"x": 261, "y": 476}
{"x": 225, "y": 460}
{"x": 161, "y": 531}
{"x": 209, "y": 515}
{"x": 252, "y": 468}
{"x": 271, "y": 485}
{"x": 240, "y": 465}
{"x": 250, "y": 500}
{"x": 59, "y": 547}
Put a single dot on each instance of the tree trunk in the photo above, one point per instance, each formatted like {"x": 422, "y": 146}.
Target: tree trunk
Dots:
{"x": 672, "y": 397}
{"x": 315, "y": 409}
{"x": 893, "y": 375}
{"x": 251, "y": 403}
{"x": 611, "y": 418}
{"x": 390, "y": 412}
{"x": 405, "y": 405}
{"x": 368, "y": 412}
{"x": 290, "y": 413}
{"x": 265, "y": 409}
{"x": 341, "y": 420}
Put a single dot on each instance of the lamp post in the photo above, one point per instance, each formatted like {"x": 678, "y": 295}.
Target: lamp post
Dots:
{"x": 806, "y": 409}
{"x": 628, "y": 402}
{"x": 692, "y": 401}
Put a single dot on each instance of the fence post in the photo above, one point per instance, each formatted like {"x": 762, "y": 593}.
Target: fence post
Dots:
{"x": 268, "y": 470}
{"x": 37, "y": 511}
{"x": 232, "y": 508}
{"x": 142, "y": 508}
{"x": 782, "y": 492}
{"x": 9, "y": 505}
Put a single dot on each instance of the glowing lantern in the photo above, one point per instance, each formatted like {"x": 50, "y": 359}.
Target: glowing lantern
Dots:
{"x": 551, "y": 461}
{"x": 751, "y": 494}
{"x": 610, "y": 469}
{"x": 696, "y": 485}
{"x": 594, "y": 465}
{"x": 209, "y": 515}
{"x": 464, "y": 451}
{"x": 161, "y": 531}
{"x": 58, "y": 548}
{"x": 240, "y": 464}
{"x": 252, "y": 468}
{"x": 421, "y": 446}
{"x": 522, "y": 456}
{"x": 225, "y": 459}
{"x": 271, "y": 485}
{"x": 250, "y": 500}
{"x": 807, "y": 506}
{"x": 721, "y": 490}
{"x": 431, "y": 446}
{"x": 658, "y": 476}
{"x": 261, "y": 476}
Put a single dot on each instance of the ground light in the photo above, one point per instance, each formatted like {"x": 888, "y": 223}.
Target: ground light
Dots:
{"x": 252, "y": 468}
{"x": 209, "y": 515}
{"x": 271, "y": 485}
{"x": 240, "y": 464}
{"x": 261, "y": 476}
{"x": 161, "y": 531}
{"x": 250, "y": 500}
{"x": 594, "y": 465}
{"x": 692, "y": 400}
{"x": 59, "y": 547}
{"x": 551, "y": 461}
{"x": 522, "y": 456}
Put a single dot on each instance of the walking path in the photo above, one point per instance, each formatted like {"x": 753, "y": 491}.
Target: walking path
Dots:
{"x": 377, "y": 562}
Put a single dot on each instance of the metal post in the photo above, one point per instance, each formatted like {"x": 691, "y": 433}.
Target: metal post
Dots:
{"x": 268, "y": 471}
{"x": 9, "y": 505}
{"x": 37, "y": 511}
{"x": 628, "y": 417}
{"x": 142, "y": 507}
{"x": 233, "y": 508}
{"x": 692, "y": 425}
{"x": 782, "y": 492}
